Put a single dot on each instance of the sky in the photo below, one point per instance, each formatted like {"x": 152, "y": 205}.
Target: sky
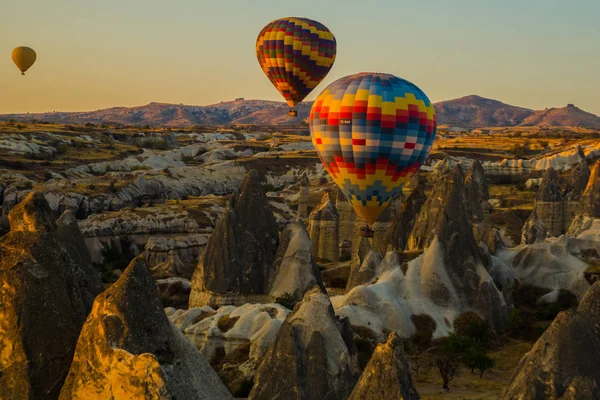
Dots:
{"x": 99, "y": 54}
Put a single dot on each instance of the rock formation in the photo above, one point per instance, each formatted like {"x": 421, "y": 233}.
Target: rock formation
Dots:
{"x": 350, "y": 223}
{"x": 313, "y": 356}
{"x": 590, "y": 200}
{"x": 237, "y": 262}
{"x": 449, "y": 278}
{"x": 364, "y": 266}
{"x": 533, "y": 230}
{"x": 233, "y": 339}
{"x": 45, "y": 297}
{"x": 174, "y": 257}
{"x": 73, "y": 241}
{"x": 396, "y": 238}
{"x": 128, "y": 349}
{"x": 174, "y": 292}
{"x": 323, "y": 230}
{"x": 348, "y": 228}
{"x": 549, "y": 204}
{"x": 387, "y": 375}
{"x": 295, "y": 270}
{"x": 576, "y": 182}
{"x": 563, "y": 362}
{"x": 303, "y": 197}
{"x": 477, "y": 193}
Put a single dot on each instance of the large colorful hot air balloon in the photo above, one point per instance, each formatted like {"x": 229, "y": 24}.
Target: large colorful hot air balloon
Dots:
{"x": 295, "y": 54}
{"x": 23, "y": 57}
{"x": 372, "y": 133}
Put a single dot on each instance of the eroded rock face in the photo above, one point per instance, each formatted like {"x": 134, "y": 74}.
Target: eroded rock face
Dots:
{"x": 32, "y": 215}
{"x": 549, "y": 204}
{"x": 313, "y": 356}
{"x": 128, "y": 349}
{"x": 295, "y": 269}
{"x": 364, "y": 266}
{"x": 396, "y": 238}
{"x": 534, "y": 230}
{"x": 233, "y": 339}
{"x": 387, "y": 375}
{"x": 239, "y": 254}
{"x": 563, "y": 362}
{"x": 477, "y": 193}
{"x": 590, "y": 201}
{"x": 449, "y": 278}
{"x": 45, "y": 297}
{"x": 323, "y": 230}
{"x": 303, "y": 197}
{"x": 174, "y": 257}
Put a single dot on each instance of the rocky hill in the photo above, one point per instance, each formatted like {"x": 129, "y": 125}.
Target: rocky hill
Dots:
{"x": 565, "y": 116}
{"x": 467, "y": 112}
{"x": 476, "y": 111}
{"x": 239, "y": 111}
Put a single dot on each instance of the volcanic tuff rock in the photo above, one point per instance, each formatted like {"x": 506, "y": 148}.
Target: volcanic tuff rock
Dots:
{"x": 576, "y": 182}
{"x": 323, "y": 230}
{"x": 128, "y": 349}
{"x": 533, "y": 230}
{"x": 448, "y": 279}
{"x": 364, "y": 266}
{"x": 549, "y": 203}
{"x": 563, "y": 362}
{"x": 45, "y": 297}
{"x": 350, "y": 224}
{"x": 590, "y": 201}
{"x": 313, "y": 356}
{"x": 233, "y": 339}
{"x": 303, "y": 197}
{"x": 396, "y": 238}
{"x": 295, "y": 270}
{"x": 462, "y": 257}
{"x": 477, "y": 193}
{"x": 387, "y": 375}
{"x": 174, "y": 292}
{"x": 240, "y": 252}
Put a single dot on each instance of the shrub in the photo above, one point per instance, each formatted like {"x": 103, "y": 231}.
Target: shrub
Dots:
{"x": 287, "y": 300}
{"x": 476, "y": 358}
{"x": 425, "y": 326}
{"x": 470, "y": 325}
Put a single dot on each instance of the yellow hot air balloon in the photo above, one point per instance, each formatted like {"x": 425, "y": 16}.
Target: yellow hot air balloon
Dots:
{"x": 23, "y": 57}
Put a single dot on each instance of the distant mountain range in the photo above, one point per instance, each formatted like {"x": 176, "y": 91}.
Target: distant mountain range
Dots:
{"x": 468, "y": 112}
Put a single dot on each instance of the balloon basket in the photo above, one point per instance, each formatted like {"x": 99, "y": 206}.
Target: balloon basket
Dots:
{"x": 367, "y": 232}
{"x": 293, "y": 113}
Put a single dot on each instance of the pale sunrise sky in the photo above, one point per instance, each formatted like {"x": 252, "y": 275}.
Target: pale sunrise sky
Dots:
{"x": 106, "y": 53}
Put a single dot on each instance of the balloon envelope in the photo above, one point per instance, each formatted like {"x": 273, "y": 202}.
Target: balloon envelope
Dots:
{"x": 23, "y": 57}
{"x": 372, "y": 133}
{"x": 295, "y": 54}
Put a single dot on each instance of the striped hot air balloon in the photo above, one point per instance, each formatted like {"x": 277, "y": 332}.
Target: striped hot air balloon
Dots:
{"x": 372, "y": 133}
{"x": 23, "y": 57}
{"x": 295, "y": 54}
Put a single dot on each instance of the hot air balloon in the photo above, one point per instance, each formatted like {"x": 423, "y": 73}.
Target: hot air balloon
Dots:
{"x": 295, "y": 54}
{"x": 23, "y": 57}
{"x": 372, "y": 133}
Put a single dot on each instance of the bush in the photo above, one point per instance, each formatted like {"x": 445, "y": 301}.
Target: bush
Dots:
{"x": 476, "y": 358}
{"x": 114, "y": 259}
{"x": 425, "y": 326}
{"x": 287, "y": 300}
{"x": 470, "y": 325}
